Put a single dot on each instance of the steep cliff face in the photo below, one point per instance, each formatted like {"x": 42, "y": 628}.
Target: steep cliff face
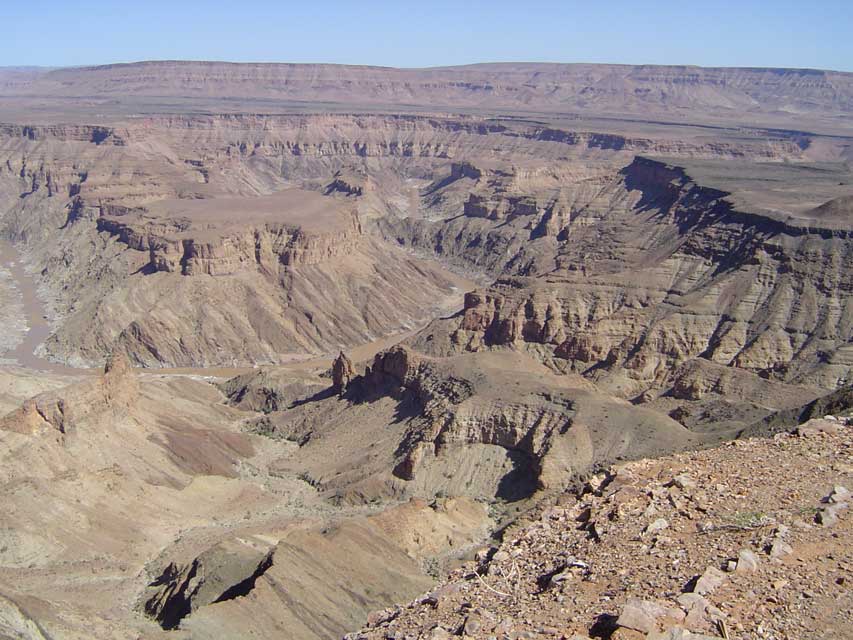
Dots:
{"x": 502, "y": 217}
{"x": 256, "y": 316}
{"x": 656, "y": 270}
{"x": 172, "y": 247}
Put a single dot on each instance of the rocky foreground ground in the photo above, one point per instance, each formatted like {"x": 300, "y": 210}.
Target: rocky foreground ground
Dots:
{"x": 748, "y": 540}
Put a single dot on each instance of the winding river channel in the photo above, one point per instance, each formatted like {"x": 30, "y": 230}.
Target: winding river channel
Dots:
{"x": 21, "y": 287}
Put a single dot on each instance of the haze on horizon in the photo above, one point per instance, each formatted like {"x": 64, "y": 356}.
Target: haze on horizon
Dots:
{"x": 753, "y": 33}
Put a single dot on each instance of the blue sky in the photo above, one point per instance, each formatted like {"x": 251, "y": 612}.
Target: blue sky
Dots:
{"x": 783, "y": 33}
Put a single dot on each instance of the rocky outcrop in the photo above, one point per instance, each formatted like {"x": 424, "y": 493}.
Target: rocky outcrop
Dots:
{"x": 106, "y": 397}
{"x": 269, "y": 389}
{"x": 433, "y": 387}
{"x": 351, "y": 566}
{"x": 463, "y": 402}
{"x": 349, "y": 184}
{"x": 15, "y": 622}
{"x": 478, "y": 206}
{"x": 342, "y": 373}
{"x": 839, "y": 401}
{"x": 699, "y": 379}
{"x": 225, "y": 571}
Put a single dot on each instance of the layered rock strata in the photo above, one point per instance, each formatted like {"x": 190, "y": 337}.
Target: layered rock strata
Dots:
{"x": 656, "y": 270}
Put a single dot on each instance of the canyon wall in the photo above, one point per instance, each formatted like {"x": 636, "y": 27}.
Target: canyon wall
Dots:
{"x": 630, "y": 267}
{"x": 647, "y": 270}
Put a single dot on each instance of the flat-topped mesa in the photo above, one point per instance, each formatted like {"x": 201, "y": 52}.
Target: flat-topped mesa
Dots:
{"x": 231, "y": 235}
{"x": 65, "y": 133}
{"x": 567, "y": 88}
{"x": 694, "y": 186}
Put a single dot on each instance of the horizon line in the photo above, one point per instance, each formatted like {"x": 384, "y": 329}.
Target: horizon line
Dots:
{"x": 49, "y": 68}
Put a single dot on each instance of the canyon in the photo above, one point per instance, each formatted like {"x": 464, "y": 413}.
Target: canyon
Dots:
{"x": 284, "y": 344}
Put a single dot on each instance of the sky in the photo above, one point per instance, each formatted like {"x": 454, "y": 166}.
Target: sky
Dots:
{"x": 777, "y": 33}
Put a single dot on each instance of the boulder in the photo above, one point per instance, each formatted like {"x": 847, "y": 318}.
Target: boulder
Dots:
{"x": 828, "y": 515}
{"x": 838, "y": 495}
{"x": 709, "y": 581}
{"x": 635, "y": 617}
{"x": 747, "y": 561}
{"x": 658, "y": 525}
{"x": 779, "y": 549}
{"x": 646, "y": 615}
